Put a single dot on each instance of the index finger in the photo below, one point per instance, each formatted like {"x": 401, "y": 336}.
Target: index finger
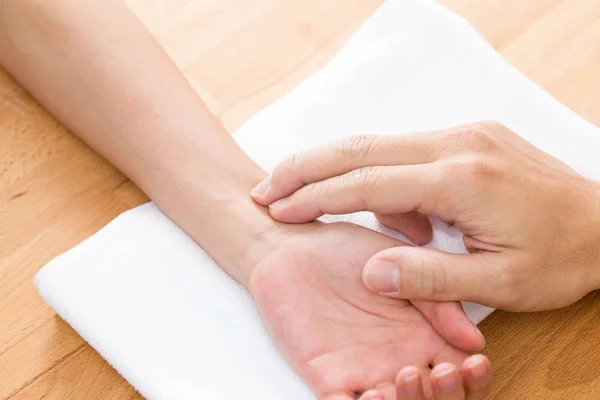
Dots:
{"x": 388, "y": 190}
{"x": 341, "y": 157}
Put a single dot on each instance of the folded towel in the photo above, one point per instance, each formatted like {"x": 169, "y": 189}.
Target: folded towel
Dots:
{"x": 157, "y": 307}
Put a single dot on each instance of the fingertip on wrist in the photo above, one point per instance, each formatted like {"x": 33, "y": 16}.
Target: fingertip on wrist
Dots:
{"x": 279, "y": 204}
{"x": 259, "y": 192}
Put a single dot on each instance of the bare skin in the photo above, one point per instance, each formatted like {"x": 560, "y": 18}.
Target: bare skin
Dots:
{"x": 316, "y": 308}
{"x": 96, "y": 68}
{"x": 448, "y": 382}
{"x": 529, "y": 221}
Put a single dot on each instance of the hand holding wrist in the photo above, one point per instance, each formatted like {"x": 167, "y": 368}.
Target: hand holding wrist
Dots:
{"x": 528, "y": 220}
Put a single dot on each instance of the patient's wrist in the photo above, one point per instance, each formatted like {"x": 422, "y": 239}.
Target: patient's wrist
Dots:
{"x": 206, "y": 191}
{"x": 221, "y": 216}
{"x": 257, "y": 236}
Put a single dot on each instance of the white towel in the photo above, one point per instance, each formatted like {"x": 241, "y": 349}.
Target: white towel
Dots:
{"x": 173, "y": 324}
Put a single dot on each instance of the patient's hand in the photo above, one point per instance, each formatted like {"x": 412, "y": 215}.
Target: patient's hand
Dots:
{"x": 342, "y": 338}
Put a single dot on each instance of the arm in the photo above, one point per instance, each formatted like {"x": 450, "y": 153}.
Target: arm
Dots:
{"x": 99, "y": 71}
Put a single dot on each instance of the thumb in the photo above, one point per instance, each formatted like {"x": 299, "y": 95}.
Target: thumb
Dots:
{"x": 426, "y": 274}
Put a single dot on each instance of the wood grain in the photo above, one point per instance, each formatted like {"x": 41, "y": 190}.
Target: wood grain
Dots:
{"x": 240, "y": 56}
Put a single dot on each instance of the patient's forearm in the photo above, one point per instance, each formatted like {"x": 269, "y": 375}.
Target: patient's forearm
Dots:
{"x": 97, "y": 69}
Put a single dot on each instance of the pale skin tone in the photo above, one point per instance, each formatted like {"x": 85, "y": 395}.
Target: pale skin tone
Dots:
{"x": 95, "y": 67}
{"x": 530, "y": 223}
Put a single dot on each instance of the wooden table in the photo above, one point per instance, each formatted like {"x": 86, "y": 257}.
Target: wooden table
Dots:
{"x": 55, "y": 192}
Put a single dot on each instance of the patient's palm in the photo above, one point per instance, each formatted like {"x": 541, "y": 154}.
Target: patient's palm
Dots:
{"x": 340, "y": 337}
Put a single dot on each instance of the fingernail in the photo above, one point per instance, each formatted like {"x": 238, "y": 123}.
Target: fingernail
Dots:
{"x": 261, "y": 188}
{"x": 446, "y": 379}
{"x": 382, "y": 276}
{"x": 482, "y": 339}
{"x": 476, "y": 366}
{"x": 279, "y": 203}
{"x": 411, "y": 383}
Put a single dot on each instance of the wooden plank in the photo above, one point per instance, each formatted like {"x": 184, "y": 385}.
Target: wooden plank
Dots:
{"x": 64, "y": 381}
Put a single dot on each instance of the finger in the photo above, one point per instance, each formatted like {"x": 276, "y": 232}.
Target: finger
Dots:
{"x": 418, "y": 273}
{"x": 446, "y": 382}
{"x": 451, "y": 323}
{"x": 409, "y": 384}
{"x": 414, "y": 225}
{"x": 372, "y": 395}
{"x": 426, "y": 382}
{"x": 477, "y": 377}
{"x": 370, "y": 150}
{"x": 342, "y": 156}
{"x": 387, "y": 190}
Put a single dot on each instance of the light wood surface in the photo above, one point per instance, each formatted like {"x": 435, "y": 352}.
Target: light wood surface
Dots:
{"x": 240, "y": 56}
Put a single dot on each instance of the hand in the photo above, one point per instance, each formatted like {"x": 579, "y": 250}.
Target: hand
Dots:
{"x": 342, "y": 338}
{"x": 530, "y": 222}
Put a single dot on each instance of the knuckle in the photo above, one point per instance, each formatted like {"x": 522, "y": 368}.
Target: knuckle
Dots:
{"x": 439, "y": 278}
{"x": 362, "y": 181}
{"x": 431, "y": 280}
{"x": 471, "y": 167}
{"x": 285, "y": 169}
{"x": 287, "y": 166}
{"x": 292, "y": 161}
{"x": 365, "y": 178}
{"x": 313, "y": 190}
{"x": 477, "y": 135}
{"x": 358, "y": 146}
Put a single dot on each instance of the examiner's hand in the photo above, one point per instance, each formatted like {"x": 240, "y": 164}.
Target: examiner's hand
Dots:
{"x": 529, "y": 221}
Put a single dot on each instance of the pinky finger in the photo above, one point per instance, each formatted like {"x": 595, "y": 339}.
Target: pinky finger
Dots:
{"x": 409, "y": 384}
